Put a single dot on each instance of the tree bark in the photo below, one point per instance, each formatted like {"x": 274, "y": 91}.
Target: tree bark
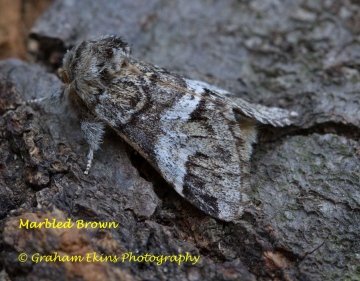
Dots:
{"x": 304, "y": 224}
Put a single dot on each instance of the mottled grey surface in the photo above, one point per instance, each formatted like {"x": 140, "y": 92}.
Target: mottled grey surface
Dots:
{"x": 313, "y": 202}
{"x": 301, "y": 55}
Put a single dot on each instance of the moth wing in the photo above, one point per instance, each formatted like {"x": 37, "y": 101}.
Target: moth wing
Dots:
{"x": 198, "y": 151}
{"x": 266, "y": 115}
{"x": 193, "y": 142}
{"x": 274, "y": 116}
{"x": 188, "y": 131}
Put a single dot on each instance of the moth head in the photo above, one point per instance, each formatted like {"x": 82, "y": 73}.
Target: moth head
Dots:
{"x": 88, "y": 68}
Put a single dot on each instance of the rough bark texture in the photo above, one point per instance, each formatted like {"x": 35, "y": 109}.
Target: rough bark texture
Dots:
{"x": 300, "y": 55}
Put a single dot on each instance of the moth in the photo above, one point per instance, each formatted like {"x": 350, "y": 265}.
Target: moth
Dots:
{"x": 197, "y": 136}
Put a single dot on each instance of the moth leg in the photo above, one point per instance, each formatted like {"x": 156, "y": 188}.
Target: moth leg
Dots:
{"x": 55, "y": 98}
{"x": 34, "y": 101}
{"x": 94, "y": 132}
